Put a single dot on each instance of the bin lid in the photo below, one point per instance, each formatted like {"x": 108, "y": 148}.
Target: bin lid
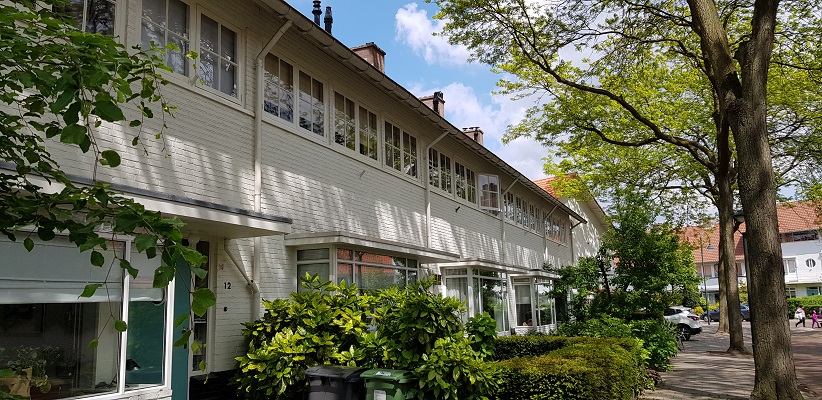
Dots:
{"x": 393, "y": 375}
{"x": 335, "y": 371}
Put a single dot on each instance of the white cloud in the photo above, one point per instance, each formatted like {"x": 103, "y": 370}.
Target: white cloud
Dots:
{"x": 463, "y": 108}
{"x": 415, "y": 29}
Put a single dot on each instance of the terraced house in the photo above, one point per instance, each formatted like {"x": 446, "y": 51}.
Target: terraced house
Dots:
{"x": 290, "y": 153}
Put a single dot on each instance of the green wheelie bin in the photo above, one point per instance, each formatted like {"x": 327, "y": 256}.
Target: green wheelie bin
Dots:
{"x": 388, "y": 384}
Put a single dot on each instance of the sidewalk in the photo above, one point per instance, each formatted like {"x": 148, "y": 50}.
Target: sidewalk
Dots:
{"x": 703, "y": 372}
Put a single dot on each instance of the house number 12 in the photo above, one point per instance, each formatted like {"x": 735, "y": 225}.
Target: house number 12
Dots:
{"x": 227, "y": 285}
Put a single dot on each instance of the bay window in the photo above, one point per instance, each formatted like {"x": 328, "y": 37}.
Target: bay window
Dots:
{"x": 534, "y": 306}
{"x": 373, "y": 271}
{"x": 489, "y": 293}
{"x": 47, "y": 330}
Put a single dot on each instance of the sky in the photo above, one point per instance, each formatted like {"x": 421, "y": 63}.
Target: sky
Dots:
{"x": 424, "y": 63}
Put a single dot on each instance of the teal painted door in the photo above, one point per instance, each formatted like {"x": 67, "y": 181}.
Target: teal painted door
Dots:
{"x": 179, "y": 354}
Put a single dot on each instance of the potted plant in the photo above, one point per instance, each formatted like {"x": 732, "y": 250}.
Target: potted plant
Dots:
{"x": 24, "y": 367}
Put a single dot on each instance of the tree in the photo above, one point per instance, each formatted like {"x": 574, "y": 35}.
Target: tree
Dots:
{"x": 654, "y": 267}
{"x": 663, "y": 85}
{"x": 60, "y": 83}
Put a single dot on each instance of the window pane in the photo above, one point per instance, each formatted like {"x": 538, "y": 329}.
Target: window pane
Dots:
{"x": 208, "y": 34}
{"x": 228, "y": 78}
{"x": 345, "y": 272}
{"x": 178, "y": 18}
{"x": 374, "y": 278}
{"x": 146, "y": 339}
{"x": 318, "y": 269}
{"x": 228, "y": 41}
{"x": 522, "y": 293}
{"x": 208, "y": 70}
{"x": 155, "y": 11}
{"x": 100, "y": 17}
{"x": 312, "y": 254}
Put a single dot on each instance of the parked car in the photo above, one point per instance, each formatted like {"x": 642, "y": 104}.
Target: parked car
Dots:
{"x": 687, "y": 323}
{"x": 744, "y": 311}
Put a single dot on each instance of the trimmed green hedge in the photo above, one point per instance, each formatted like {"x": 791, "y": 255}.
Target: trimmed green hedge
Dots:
{"x": 587, "y": 369}
{"x": 507, "y": 347}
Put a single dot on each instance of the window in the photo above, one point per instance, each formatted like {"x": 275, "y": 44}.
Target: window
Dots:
{"x": 714, "y": 270}
{"x": 812, "y": 291}
{"x": 372, "y": 271}
{"x": 489, "y": 293}
{"x": 45, "y": 324}
{"x": 93, "y": 16}
{"x": 345, "y": 132}
{"x": 739, "y": 270}
{"x": 312, "y": 109}
{"x": 790, "y": 292}
{"x": 509, "y": 206}
{"x": 166, "y": 22}
{"x": 526, "y": 218}
{"x": 465, "y": 182}
{"x": 489, "y": 192}
{"x": 532, "y": 217}
{"x": 312, "y": 262}
{"x": 368, "y": 133}
{"x": 439, "y": 170}
{"x": 218, "y": 56}
{"x": 810, "y": 263}
{"x": 518, "y": 211}
{"x": 790, "y": 265}
{"x": 534, "y": 306}
{"x": 279, "y": 88}
{"x": 400, "y": 150}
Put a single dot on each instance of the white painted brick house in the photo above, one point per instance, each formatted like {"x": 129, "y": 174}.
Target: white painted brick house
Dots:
{"x": 289, "y": 153}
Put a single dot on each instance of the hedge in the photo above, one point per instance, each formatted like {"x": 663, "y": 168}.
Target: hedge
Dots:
{"x": 507, "y": 347}
{"x": 589, "y": 369}
{"x": 808, "y": 302}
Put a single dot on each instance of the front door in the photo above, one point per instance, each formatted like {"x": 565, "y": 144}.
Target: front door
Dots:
{"x": 179, "y": 354}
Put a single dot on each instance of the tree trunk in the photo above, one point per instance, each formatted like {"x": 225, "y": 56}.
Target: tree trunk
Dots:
{"x": 744, "y": 105}
{"x": 727, "y": 258}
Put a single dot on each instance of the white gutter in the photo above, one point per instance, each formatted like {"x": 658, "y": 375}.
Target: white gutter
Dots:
{"x": 258, "y": 171}
{"x": 502, "y": 222}
{"x": 255, "y": 290}
{"x": 427, "y": 181}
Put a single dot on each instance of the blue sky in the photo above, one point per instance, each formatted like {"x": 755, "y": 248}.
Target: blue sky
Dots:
{"x": 423, "y": 64}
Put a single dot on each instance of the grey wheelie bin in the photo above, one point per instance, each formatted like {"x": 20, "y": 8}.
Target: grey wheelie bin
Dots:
{"x": 388, "y": 384}
{"x": 334, "y": 382}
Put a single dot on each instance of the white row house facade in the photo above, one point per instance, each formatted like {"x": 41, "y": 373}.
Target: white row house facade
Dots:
{"x": 290, "y": 153}
{"x": 801, "y": 243}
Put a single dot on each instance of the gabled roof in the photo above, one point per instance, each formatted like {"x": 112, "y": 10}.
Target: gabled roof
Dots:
{"x": 547, "y": 185}
{"x": 794, "y": 216}
{"x": 337, "y": 50}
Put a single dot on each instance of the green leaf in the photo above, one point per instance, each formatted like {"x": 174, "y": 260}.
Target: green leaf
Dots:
{"x": 162, "y": 276}
{"x": 108, "y": 111}
{"x": 183, "y": 340}
{"x": 195, "y": 346}
{"x": 135, "y": 122}
{"x": 144, "y": 242}
{"x": 28, "y": 244}
{"x": 179, "y": 320}
{"x": 93, "y": 344}
{"x": 110, "y": 158}
{"x": 201, "y": 300}
{"x": 126, "y": 265}
{"x": 45, "y": 234}
{"x": 120, "y": 326}
{"x": 127, "y": 221}
{"x": 89, "y": 290}
{"x": 73, "y": 134}
{"x": 97, "y": 259}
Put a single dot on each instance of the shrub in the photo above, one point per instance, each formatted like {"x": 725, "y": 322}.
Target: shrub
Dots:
{"x": 658, "y": 340}
{"x": 411, "y": 329}
{"x": 322, "y": 325}
{"x": 808, "y": 302}
{"x": 580, "y": 371}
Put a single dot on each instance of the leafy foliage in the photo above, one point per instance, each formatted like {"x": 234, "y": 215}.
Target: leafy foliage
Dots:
{"x": 580, "y": 371}
{"x": 396, "y": 328}
{"x": 64, "y": 85}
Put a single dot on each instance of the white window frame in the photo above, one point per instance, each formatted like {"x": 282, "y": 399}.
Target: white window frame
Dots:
{"x": 313, "y": 261}
{"x": 278, "y": 88}
{"x": 440, "y": 172}
{"x": 810, "y": 288}
{"x": 120, "y": 389}
{"x": 789, "y": 263}
{"x": 810, "y": 263}
{"x": 119, "y": 17}
{"x": 408, "y": 150}
{"x": 238, "y": 48}
{"x": 465, "y": 180}
{"x": 167, "y": 32}
{"x": 315, "y": 104}
{"x": 790, "y": 292}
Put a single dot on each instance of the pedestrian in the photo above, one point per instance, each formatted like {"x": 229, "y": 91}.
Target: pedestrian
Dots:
{"x": 800, "y": 315}
{"x": 815, "y": 320}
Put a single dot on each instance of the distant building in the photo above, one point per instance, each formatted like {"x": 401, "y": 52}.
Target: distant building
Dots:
{"x": 799, "y": 225}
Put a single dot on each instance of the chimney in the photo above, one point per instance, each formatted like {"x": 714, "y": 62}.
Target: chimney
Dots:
{"x": 372, "y": 54}
{"x": 474, "y": 132}
{"x": 435, "y": 102}
{"x": 317, "y": 11}
{"x": 328, "y": 19}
